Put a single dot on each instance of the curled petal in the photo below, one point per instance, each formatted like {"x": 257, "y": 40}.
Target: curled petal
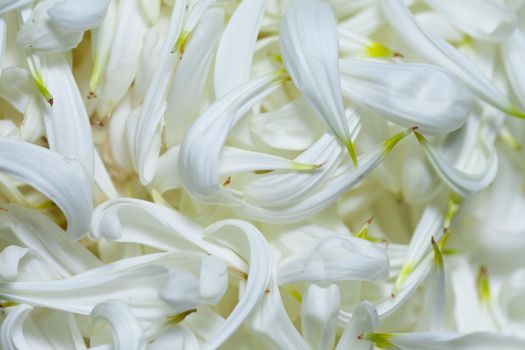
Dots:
{"x": 126, "y": 329}
{"x": 63, "y": 180}
{"x": 256, "y": 250}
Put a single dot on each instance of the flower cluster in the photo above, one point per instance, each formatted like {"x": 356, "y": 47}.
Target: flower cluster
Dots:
{"x": 262, "y": 174}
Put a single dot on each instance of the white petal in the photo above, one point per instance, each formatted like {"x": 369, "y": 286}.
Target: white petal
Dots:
{"x": 485, "y": 19}
{"x": 464, "y": 182}
{"x": 339, "y": 182}
{"x": 136, "y": 281}
{"x": 16, "y": 87}
{"x": 319, "y": 310}
{"x": 310, "y": 51}
{"x": 101, "y": 42}
{"x": 437, "y": 51}
{"x": 235, "y": 51}
{"x": 127, "y": 332}
{"x": 79, "y": 15}
{"x": 122, "y": 220}
{"x": 61, "y": 179}
{"x": 512, "y": 51}
{"x": 435, "y": 307}
{"x": 200, "y": 150}
{"x": 67, "y": 122}
{"x": 408, "y": 94}
{"x": 9, "y": 5}
{"x": 336, "y": 259}
{"x": 184, "y": 101}
{"x": 12, "y": 333}
{"x": 364, "y": 320}
{"x": 175, "y": 338}
{"x": 39, "y": 32}
{"x": 255, "y": 249}
{"x": 44, "y": 239}
{"x": 125, "y": 53}
{"x": 147, "y": 140}
{"x": 103, "y": 179}
{"x": 293, "y": 126}
{"x": 28, "y": 328}
{"x": 151, "y": 9}
{"x": 443, "y": 341}
{"x": 9, "y": 261}
{"x": 270, "y": 322}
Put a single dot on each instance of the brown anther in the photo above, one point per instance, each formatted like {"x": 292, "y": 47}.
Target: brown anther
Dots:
{"x": 3, "y": 209}
{"x": 267, "y": 291}
{"x": 433, "y": 240}
{"x": 398, "y": 55}
{"x": 227, "y": 182}
{"x": 414, "y": 128}
{"x": 369, "y": 221}
{"x": 91, "y": 95}
{"x": 51, "y": 101}
{"x": 360, "y": 336}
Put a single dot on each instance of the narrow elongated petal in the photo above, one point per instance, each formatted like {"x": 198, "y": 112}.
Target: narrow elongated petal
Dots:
{"x": 319, "y": 310}
{"x": 29, "y": 328}
{"x": 270, "y": 322}
{"x": 340, "y": 182}
{"x": 291, "y": 187}
{"x": 433, "y": 314}
{"x": 235, "y": 51}
{"x": 67, "y": 122}
{"x": 126, "y": 329}
{"x": 442, "y": 341}
{"x": 184, "y": 101}
{"x": 336, "y": 259}
{"x": 259, "y": 273}
{"x": 63, "y": 180}
{"x": 101, "y": 41}
{"x": 232, "y": 161}
{"x": 148, "y": 132}
{"x": 512, "y": 51}
{"x": 364, "y": 320}
{"x": 463, "y": 182}
{"x": 79, "y": 15}
{"x": 436, "y": 50}
{"x": 199, "y": 153}
{"x": 310, "y": 51}
{"x": 125, "y": 53}
{"x": 43, "y": 238}
{"x": 122, "y": 220}
{"x": 9, "y": 5}
{"x": 408, "y": 94}
{"x": 429, "y": 225}
{"x": 137, "y": 281}
{"x": 485, "y": 19}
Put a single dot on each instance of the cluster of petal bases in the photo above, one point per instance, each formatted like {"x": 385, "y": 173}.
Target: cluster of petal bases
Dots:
{"x": 262, "y": 174}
